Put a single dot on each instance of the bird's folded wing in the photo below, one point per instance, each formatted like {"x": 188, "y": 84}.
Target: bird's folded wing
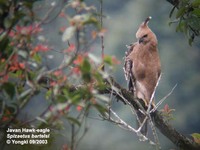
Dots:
{"x": 128, "y": 64}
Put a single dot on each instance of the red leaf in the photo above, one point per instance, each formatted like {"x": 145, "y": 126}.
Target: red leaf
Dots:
{"x": 79, "y": 108}
{"x": 53, "y": 83}
{"x": 62, "y": 14}
{"x": 27, "y": 30}
{"x": 4, "y": 78}
{"x": 51, "y": 108}
{"x": 94, "y": 34}
{"x": 67, "y": 108}
{"x": 22, "y": 65}
{"x": 115, "y": 60}
{"x": 166, "y": 108}
{"x": 11, "y": 34}
{"x": 16, "y": 66}
{"x": 62, "y": 29}
{"x": 41, "y": 48}
{"x": 36, "y": 29}
{"x": 70, "y": 49}
{"x": 102, "y": 32}
{"x": 78, "y": 60}
{"x": 76, "y": 70}
{"x": 58, "y": 73}
{"x": 65, "y": 147}
{"x": 4, "y": 119}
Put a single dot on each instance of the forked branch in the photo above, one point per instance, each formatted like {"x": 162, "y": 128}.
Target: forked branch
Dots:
{"x": 165, "y": 128}
{"x": 180, "y": 140}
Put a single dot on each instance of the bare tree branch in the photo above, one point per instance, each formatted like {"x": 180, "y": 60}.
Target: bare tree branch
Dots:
{"x": 163, "y": 99}
{"x": 180, "y": 140}
{"x": 173, "y": 2}
{"x": 165, "y": 128}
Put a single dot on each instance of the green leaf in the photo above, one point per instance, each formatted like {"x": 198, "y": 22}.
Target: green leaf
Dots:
{"x": 61, "y": 98}
{"x": 28, "y": 4}
{"x": 196, "y": 137}
{"x": 9, "y": 88}
{"x": 73, "y": 97}
{"x": 171, "y": 12}
{"x": 22, "y": 53}
{"x": 3, "y": 2}
{"x": 76, "y": 98}
{"x": 48, "y": 94}
{"x": 196, "y": 12}
{"x": 190, "y": 41}
{"x": 86, "y": 70}
{"x": 19, "y": 15}
{"x": 74, "y": 121}
{"x": 85, "y": 66}
{"x": 90, "y": 19}
{"x": 16, "y": 74}
{"x": 7, "y": 23}
{"x": 195, "y": 3}
{"x": 94, "y": 58}
{"x": 181, "y": 12}
{"x": 32, "y": 75}
{"x": 108, "y": 59}
{"x": 100, "y": 108}
{"x": 37, "y": 58}
{"x": 181, "y": 27}
{"x": 68, "y": 33}
{"x": 4, "y": 41}
{"x": 41, "y": 120}
{"x": 100, "y": 82}
{"x": 102, "y": 97}
{"x": 25, "y": 94}
{"x": 194, "y": 22}
{"x": 13, "y": 108}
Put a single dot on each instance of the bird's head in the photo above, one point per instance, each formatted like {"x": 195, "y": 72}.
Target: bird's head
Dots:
{"x": 144, "y": 33}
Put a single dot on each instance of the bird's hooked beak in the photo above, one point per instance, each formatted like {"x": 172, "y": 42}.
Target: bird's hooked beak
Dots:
{"x": 140, "y": 35}
{"x": 141, "y": 40}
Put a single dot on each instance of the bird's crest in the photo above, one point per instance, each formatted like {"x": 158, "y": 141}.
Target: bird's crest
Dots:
{"x": 147, "y": 20}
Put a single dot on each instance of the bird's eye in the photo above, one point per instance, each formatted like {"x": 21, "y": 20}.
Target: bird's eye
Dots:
{"x": 144, "y": 36}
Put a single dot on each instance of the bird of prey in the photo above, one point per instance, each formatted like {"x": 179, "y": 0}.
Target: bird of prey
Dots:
{"x": 142, "y": 67}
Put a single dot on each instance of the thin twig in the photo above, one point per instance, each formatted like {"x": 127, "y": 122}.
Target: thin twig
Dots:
{"x": 122, "y": 124}
{"x": 44, "y": 19}
{"x": 147, "y": 113}
{"x": 83, "y": 134}
{"x": 102, "y": 37}
{"x": 153, "y": 95}
{"x": 163, "y": 99}
{"x": 52, "y": 19}
{"x": 34, "y": 119}
{"x": 82, "y": 119}
{"x": 114, "y": 89}
{"x": 72, "y": 136}
{"x": 157, "y": 143}
{"x": 2, "y": 109}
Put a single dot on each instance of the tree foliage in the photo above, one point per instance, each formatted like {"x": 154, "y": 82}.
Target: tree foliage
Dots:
{"x": 75, "y": 86}
{"x": 24, "y": 74}
{"x": 187, "y": 18}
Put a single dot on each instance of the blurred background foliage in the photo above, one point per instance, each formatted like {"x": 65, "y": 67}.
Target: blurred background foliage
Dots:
{"x": 187, "y": 17}
{"x": 180, "y": 65}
